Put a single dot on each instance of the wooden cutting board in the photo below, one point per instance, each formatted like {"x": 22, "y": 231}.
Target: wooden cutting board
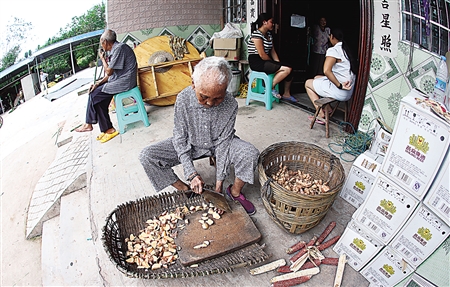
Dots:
{"x": 231, "y": 232}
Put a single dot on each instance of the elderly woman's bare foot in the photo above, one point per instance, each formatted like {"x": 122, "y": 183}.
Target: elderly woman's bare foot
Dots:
{"x": 84, "y": 128}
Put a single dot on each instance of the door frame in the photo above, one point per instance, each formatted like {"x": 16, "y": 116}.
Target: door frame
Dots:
{"x": 365, "y": 58}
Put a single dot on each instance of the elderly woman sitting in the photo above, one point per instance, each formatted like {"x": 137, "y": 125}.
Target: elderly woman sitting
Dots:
{"x": 204, "y": 119}
{"x": 339, "y": 69}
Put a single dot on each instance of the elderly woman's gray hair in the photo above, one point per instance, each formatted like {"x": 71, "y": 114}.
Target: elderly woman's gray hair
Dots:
{"x": 212, "y": 66}
{"x": 109, "y": 35}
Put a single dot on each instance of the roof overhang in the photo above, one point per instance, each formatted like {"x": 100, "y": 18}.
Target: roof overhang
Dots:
{"x": 46, "y": 52}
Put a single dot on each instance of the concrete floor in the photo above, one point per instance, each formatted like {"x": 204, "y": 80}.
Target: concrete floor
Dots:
{"x": 115, "y": 176}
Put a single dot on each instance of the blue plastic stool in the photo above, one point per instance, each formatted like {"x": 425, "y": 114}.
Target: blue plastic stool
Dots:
{"x": 130, "y": 113}
{"x": 260, "y": 92}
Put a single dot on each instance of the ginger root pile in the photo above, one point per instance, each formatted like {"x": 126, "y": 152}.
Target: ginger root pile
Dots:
{"x": 299, "y": 182}
{"x": 155, "y": 247}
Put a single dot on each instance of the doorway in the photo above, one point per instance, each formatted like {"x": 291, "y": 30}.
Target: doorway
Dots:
{"x": 354, "y": 17}
{"x": 292, "y": 43}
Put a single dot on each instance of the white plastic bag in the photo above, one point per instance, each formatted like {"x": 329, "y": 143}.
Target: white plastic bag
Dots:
{"x": 229, "y": 31}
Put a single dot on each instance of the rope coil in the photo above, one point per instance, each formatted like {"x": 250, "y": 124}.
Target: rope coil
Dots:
{"x": 350, "y": 144}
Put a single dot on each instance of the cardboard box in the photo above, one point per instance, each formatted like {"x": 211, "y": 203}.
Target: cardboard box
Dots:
{"x": 360, "y": 179}
{"x": 229, "y": 48}
{"x": 358, "y": 244}
{"x": 386, "y": 269}
{"x": 229, "y": 55}
{"x": 226, "y": 43}
{"x": 438, "y": 197}
{"x": 419, "y": 143}
{"x": 435, "y": 268}
{"x": 415, "y": 280}
{"x": 385, "y": 209}
{"x": 420, "y": 237}
{"x": 381, "y": 138}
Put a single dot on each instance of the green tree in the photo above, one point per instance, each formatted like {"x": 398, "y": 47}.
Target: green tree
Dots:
{"x": 28, "y": 54}
{"x": 10, "y": 57}
{"x": 16, "y": 33}
{"x": 94, "y": 19}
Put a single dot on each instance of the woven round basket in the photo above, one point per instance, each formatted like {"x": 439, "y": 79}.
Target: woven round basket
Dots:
{"x": 294, "y": 212}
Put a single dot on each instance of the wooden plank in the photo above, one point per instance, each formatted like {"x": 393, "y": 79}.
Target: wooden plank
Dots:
{"x": 231, "y": 232}
{"x": 340, "y": 270}
{"x": 166, "y": 64}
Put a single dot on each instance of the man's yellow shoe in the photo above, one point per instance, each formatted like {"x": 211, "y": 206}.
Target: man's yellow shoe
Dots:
{"x": 106, "y": 137}
{"x": 99, "y": 137}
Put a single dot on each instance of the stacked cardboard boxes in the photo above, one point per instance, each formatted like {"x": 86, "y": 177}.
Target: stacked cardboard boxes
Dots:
{"x": 419, "y": 144}
{"x": 406, "y": 212}
{"x": 229, "y": 48}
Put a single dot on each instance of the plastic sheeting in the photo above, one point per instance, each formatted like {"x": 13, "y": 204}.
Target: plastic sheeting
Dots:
{"x": 229, "y": 31}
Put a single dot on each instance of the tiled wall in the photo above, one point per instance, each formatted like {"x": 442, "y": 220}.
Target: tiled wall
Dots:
{"x": 134, "y": 15}
{"x": 197, "y": 35}
{"x": 393, "y": 78}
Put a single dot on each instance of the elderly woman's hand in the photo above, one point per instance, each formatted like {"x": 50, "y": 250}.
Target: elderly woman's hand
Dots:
{"x": 347, "y": 85}
{"x": 197, "y": 184}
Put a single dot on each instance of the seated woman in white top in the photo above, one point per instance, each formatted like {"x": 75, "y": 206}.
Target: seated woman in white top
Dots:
{"x": 339, "y": 69}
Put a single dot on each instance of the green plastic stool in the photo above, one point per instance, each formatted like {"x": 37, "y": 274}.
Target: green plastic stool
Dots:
{"x": 130, "y": 113}
{"x": 259, "y": 92}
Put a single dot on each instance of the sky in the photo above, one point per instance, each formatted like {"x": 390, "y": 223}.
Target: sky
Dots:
{"x": 46, "y": 16}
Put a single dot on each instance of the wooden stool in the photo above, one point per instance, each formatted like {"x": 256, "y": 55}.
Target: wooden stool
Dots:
{"x": 321, "y": 105}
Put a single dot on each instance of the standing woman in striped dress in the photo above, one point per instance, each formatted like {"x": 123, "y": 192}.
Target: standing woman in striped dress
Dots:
{"x": 262, "y": 56}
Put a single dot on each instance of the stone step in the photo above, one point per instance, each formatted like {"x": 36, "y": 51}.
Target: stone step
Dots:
{"x": 67, "y": 173}
{"x": 51, "y": 275}
{"x": 75, "y": 261}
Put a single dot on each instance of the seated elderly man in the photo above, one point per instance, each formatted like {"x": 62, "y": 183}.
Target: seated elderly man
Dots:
{"x": 120, "y": 75}
{"x": 204, "y": 119}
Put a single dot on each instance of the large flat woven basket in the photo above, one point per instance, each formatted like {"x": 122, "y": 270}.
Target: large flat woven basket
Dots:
{"x": 131, "y": 217}
{"x": 295, "y": 212}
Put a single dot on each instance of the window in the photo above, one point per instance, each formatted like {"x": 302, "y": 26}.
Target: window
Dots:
{"x": 235, "y": 11}
{"x": 426, "y": 23}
